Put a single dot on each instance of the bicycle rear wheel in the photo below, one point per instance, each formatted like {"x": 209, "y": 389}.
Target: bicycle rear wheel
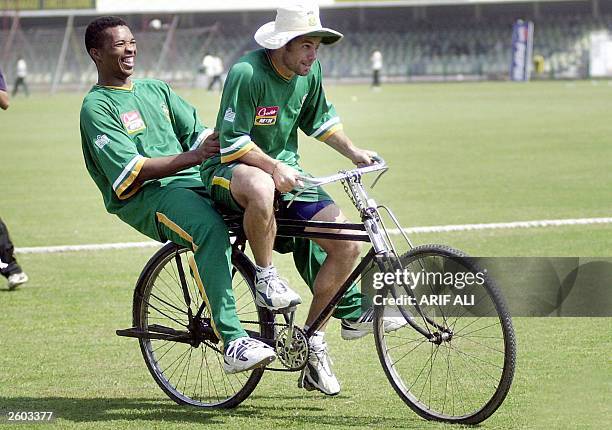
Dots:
{"x": 459, "y": 367}
{"x": 189, "y": 374}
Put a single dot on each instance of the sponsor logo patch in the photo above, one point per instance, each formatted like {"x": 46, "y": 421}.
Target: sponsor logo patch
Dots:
{"x": 132, "y": 121}
{"x": 230, "y": 115}
{"x": 266, "y": 115}
{"x": 101, "y": 141}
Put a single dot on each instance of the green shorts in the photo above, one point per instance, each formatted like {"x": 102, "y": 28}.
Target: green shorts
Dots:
{"x": 218, "y": 179}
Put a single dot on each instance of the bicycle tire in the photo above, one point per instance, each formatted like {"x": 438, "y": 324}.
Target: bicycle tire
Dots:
{"x": 478, "y": 358}
{"x": 159, "y": 280}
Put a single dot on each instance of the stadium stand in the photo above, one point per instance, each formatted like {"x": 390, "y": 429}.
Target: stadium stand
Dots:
{"x": 446, "y": 43}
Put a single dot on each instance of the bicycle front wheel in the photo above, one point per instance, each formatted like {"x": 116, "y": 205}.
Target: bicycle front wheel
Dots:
{"x": 454, "y": 359}
{"x": 189, "y": 374}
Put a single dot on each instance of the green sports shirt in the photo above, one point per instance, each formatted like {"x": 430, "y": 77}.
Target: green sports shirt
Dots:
{"x": 261, "y": 107}
{"x": 121, "y": 128}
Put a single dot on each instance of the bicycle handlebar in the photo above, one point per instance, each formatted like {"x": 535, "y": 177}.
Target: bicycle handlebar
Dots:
{"x": 379, "y": 165}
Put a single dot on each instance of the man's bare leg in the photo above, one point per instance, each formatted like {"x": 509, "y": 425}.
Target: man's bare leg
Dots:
{"x": 253, "y": 189}
{"x": 341, "y": 258}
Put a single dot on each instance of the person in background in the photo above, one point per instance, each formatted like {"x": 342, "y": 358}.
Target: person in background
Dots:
{"x": 9, "y": 268}
{"x": 377, "y": 64}
{"x": 213, "y": 68}
{"x": 4, "y": 97}
{"x": 21, "y": 71}
{"x": 8, "y": 264}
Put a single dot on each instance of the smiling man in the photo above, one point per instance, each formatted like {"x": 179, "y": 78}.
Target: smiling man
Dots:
{"x": 141, "y": 143}
{"x": 268, "y": 95}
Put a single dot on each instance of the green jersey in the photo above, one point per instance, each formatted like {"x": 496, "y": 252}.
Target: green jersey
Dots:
{"x": 121, "y": 128}
{"x": 261, "y": 107}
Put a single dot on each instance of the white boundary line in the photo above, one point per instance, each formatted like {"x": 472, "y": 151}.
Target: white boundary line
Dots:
{"x": 91, "y": 247}
{"x": 504, "y": 225}
{"x": 411, "y": 230}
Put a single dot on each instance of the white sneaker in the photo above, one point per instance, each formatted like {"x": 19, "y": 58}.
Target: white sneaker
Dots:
{"x": 245, "y": 354}
{"x": 318, "y": 375}
{"x": 352, "y": 330}
{"x": 272, "y": 291}
{"x": 16, "y": 279}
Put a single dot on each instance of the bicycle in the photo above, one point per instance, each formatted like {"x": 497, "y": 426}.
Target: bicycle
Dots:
{"x": 461, "y": 356}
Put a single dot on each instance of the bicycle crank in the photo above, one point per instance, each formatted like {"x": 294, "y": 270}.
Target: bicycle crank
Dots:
{"x": 292, "y": 349}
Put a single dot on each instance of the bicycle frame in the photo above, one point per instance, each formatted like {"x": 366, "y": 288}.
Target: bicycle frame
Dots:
{"x": 372, "y": 225}
{"x": 371, "y": 230}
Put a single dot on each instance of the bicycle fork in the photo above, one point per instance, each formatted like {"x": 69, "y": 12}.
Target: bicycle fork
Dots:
{"x": 384, "y": 250}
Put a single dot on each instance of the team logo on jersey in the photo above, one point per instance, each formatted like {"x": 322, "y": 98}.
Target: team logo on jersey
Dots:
{"x": 230, "y": 115}
{"x": 165, "y": 110}
{"x": 101, "y": 141}
{"x": 266, "y": 115}
{"x": 132, "y": 121}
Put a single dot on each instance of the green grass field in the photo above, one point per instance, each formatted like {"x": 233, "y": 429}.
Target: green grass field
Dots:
{"x": 459, "y": 153}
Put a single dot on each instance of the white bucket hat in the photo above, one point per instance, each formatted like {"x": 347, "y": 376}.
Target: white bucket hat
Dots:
{"x": 298, "y": 18}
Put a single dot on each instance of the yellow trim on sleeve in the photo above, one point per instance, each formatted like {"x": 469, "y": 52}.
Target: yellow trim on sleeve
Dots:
{"x": 328, "y": 133}
{"x": 175, "y": 228}
{"x": 218, "y": 180}
{"x": 128, "y": 181}
{"x": 246, "y": 148}
{"x": 198, "y": 279}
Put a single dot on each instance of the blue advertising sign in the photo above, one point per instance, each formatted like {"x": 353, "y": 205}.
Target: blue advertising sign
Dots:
{"x": 522, "y": 50}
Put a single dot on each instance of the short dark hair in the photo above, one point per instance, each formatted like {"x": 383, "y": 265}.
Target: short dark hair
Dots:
{"x": 94, "y": 35}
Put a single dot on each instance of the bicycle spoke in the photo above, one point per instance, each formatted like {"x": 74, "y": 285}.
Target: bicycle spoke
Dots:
{"x": 168, "y": 316}
{"x": 176, "y": 361}
{"x": 397, "y": 346}
{"x": 404, "y": 356}
{"x": 181, "y": 311}
{"x": 477, "y": 330}
{"x": 475, "y": 358}
{"x": 481, "y": 344}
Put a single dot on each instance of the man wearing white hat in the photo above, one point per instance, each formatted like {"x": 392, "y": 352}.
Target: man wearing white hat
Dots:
{"x": 268, "y": 94}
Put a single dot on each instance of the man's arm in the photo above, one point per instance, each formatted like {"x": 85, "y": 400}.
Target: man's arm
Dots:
{"x": 4, "y": 100}
{"x": 285, "y": 177}
{"x": 161, "y": 167}
{"x": 341, "y": 143}
{"x": 117, "y": 157}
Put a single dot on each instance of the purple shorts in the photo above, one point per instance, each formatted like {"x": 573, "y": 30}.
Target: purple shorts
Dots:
{"x": 302, "y": 210}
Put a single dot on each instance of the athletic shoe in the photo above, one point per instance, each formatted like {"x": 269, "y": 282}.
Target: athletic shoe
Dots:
{"x": 16, "y": 279}
{"x": 272, "y": 291}
{"x": 318, "y": 375}
{"x": 364, "y": 325}
{"x": 245, "y": 354}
